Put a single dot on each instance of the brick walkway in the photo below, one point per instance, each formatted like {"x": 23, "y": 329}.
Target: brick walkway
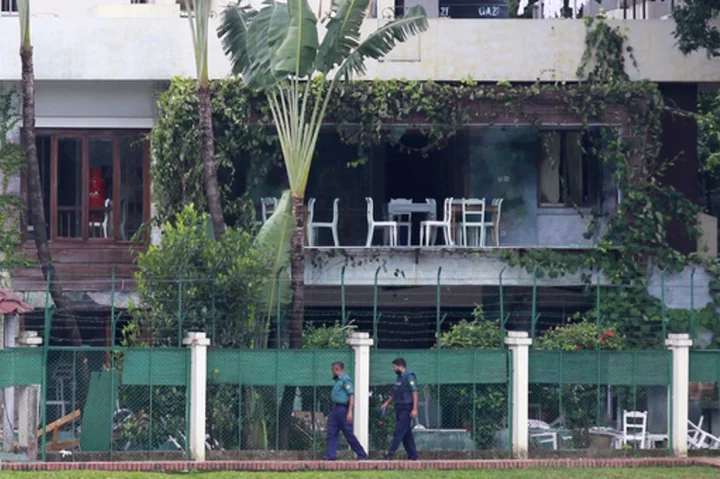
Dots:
{"x": 357, "y": 466}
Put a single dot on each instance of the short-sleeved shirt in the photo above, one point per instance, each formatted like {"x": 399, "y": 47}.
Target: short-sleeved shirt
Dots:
{"x": 342, "y": 389}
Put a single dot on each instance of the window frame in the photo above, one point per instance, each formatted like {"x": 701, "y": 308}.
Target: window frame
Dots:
{"x": 8, "y": 11}
{"x": 592, "y": 188}
{"x": 85, "y": 136}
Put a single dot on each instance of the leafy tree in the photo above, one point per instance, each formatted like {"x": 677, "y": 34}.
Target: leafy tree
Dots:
{"x": 277, "y": 50}
{"x": 208, "y": 285}
{"x": 694, "y": 28}
{"x": 198, "y": 16}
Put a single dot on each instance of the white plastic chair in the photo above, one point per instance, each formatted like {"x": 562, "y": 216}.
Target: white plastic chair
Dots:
{"x": 432, "y": 216}
{"x": 312, "y": 226}
{"x": 103, "y": 225}
{"x": 490, "y": 225}
{"x": 392, "y": 226}
{"x": 405, "y": 219}
{"x": 427, "y": 228}
{"x": 698, "y": 438}
{"x": 267, "y": 205}
{"x": 634, "y": 428}
{"x": 473, "y": 217}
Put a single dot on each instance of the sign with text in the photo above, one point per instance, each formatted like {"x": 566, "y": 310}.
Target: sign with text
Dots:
{"x": 474, "y": 8}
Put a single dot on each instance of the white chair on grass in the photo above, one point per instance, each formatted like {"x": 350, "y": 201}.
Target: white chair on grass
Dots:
{"x": 403, "y": 220}
{"x": 634, "y": 428}
{"x": 490, "y": 225}
{"x": 392, "y": 226}
{"x": 428, "y": 229}
{"x": 313, "y": 227}
{"x": 473, "y": 218}
{"x": 698, "y": 438}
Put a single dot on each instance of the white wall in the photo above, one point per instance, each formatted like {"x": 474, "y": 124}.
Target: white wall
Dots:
{"x": 486, "y": 50}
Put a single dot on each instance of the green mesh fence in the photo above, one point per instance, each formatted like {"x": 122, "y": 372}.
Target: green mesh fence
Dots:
{"x": 116, "y": 404}
{"x": 599, "y": 402}
{"x": 267, "y": 404}
{"x": 463, "y": 402}
{"x": 703, "y": 425}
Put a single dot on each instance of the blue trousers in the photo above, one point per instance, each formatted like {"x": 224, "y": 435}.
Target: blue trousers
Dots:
{"x": 403, "y": 433}
{"x": 338, "y": 422}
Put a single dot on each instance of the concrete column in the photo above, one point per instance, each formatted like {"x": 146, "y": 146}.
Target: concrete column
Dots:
{"x": 519, "y": 343}
{"x": 198, "y": 344}
{"x": 28, "y": 402}
{"x": 361, "y": 343}
{"x": 680, "y": 345}
{"x": 12, "y": 323}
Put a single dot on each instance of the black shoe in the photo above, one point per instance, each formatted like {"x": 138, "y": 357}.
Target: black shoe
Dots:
{"x": 364, "y": 458}
{"x": 387, "y": 457}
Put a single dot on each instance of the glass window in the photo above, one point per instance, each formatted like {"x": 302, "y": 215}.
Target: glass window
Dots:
{"x": 100, "y": 188}
{"x": 93, "y": 184}
{"x": 132, "y": 200}
{"x": 69, "y": 188}
{"x": 569, "y": 172}
{"x": 7, "y": 6}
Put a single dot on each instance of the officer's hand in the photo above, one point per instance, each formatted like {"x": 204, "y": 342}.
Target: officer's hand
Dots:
{"x": 385, "y": 405}
{"x": 349, "y": 417}
{"x": 413, "y": 414}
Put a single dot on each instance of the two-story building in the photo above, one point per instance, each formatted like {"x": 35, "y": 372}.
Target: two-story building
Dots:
{"x": 100, "y": 66}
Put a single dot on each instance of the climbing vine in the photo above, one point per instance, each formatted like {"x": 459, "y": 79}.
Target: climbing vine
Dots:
{"x": 367, "y": 113}
{"x": 11, "y": 163}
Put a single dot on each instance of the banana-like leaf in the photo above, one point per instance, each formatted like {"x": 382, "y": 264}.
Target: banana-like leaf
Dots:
{"x": 273, "y": 241}
{"x": 250, "y": 37}
{"x": 233, "y": 31}
{"x": 343, "y": 33}
{"x": 296, "y": 54}
{"x": 383, "y": 40}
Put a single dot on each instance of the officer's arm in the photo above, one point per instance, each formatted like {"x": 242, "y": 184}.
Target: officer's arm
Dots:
{"x": 415, "y": 400}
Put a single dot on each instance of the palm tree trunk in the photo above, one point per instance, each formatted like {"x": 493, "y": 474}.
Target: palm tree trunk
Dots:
{"x": 297, "y": 282}
{"x": 207, "y": 140}
{"x": 297, "y": 272}
{"x": 35, "y": 194}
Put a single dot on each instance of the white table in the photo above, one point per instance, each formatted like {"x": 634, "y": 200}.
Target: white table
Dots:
{"x": 402, "y": 208}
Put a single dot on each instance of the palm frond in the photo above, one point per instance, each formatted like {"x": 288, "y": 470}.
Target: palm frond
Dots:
{"x": 295, "y": 55}
{"x": 343, "y": 33}
{"x": 383, "y": 40}
{"x": 273, "y": 242}
{"x": 233, "y": 31}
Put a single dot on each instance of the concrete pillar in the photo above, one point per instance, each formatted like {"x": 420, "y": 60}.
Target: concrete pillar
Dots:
{"x": 12, "y": 323}
{"x": 198, "y": 344}
{"x": 361, "y": 343}
{"x": 28, "y": 402}
{"x": 680, "y": 345}
{"x": 519, "y": 344}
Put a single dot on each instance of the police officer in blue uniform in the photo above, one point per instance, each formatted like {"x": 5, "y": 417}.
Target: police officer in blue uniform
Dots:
{"x": 405, "y": 397}
{"x": 343, "y": 398}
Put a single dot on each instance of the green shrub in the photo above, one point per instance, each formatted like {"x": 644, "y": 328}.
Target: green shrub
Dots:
{"x": 582, "y": 335}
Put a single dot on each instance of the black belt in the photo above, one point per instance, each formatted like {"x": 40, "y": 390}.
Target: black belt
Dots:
{"x": 340, "y": 404}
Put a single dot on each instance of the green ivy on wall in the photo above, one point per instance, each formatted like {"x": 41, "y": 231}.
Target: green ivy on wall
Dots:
{"x": 11, "y": 164}
{"x": 366, "y": 112}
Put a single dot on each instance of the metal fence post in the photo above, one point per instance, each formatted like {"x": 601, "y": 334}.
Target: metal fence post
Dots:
{"x": 278, "y": 312}
{"x": 534, "y": 305}
{"x": 437, "y": 307}
{"x": 692, "y": 304}
{"x": 376, "y": 319}
{"x": 343, "y": 318}
{"x": 663, "y": 318}
{"x": 46, "y": 345}
{"x": 502, "y": 309}
{"x": 180, "y": 309}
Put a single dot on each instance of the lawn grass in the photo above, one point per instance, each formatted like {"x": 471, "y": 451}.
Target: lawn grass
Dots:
{"x": 631, "y": 473}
